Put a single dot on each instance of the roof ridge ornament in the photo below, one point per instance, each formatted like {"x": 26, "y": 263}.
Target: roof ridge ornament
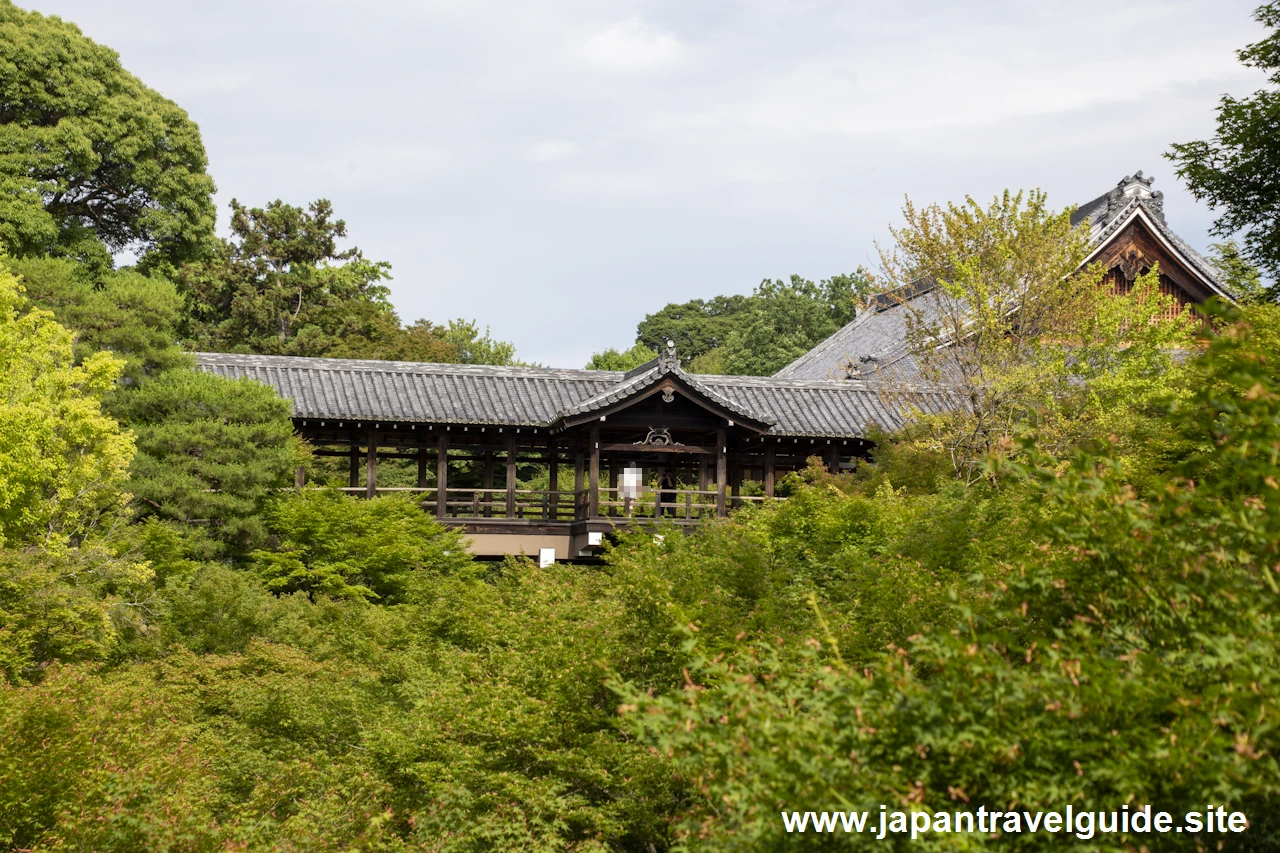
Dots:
{"x": 668, "y": 362}
{"x": 1137, "y": 187}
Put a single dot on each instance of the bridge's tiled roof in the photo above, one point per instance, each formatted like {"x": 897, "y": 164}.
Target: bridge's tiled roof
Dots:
{"x": 411, "y": 392}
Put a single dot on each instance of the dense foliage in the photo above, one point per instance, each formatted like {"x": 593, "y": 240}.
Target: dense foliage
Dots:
{"x": 133, "y": 316}
{"x": 91, "y": 160}
{"x": 752, "y": 335}
{"x": 210, "y": 453}
{"x": 1127, "y": 654}
{"x": 62, "y": 459}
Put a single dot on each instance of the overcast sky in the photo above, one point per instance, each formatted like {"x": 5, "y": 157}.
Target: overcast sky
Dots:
{"x": 558, "y": 169}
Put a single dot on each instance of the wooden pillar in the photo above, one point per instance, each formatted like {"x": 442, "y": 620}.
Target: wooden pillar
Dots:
{"x": 722, "y": 463}
{"x": 768, "y": 470}
{"x": 487, "y": 482}
{"x": 735, "y": 483}
{"x": 554, "y": 476}
{"x": 579, "y": 476}
{"x": 422, "y": 465}
{"x": 833, "y": 459}
{"x": 299, "y": 477}
{"x": 371, "y": 466}
{"x": 355, "y": 465}
{"x": 511, "y": 475}
{"x": 593, "y": 496}
{"x": 704, "y": 472}
{"x": 613, "y": 477}
{"x": 442, "y": 473}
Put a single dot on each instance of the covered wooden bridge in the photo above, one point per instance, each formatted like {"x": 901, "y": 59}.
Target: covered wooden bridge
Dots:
{"x": 653, "y": 442}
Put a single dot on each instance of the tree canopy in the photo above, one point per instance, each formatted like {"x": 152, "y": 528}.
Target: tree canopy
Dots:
{"x": 92, "y": 161}
{"x": 998, "y": 309}
{"x": 612, "y": 359}
{"x": 755, "y": 335}
{"x": 785, "y": 319}
{"x": 210, "y": 452}
{"x": 62, "y": 458}
{"x": 1235, "y": 169}
{"x": 697, "y": 326}
{"x": 280, "y": 285}
{"x": 133, "y": 316}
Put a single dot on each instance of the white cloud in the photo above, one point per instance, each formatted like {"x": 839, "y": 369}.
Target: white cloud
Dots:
{"x": 619, "y": 154}
{"x": 633, "y": 45}
{"x": 551, "y": 150}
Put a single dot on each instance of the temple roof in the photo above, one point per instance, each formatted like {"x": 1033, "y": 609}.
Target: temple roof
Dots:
{"x": 646, "y": 375}
{"x": 876, "y": 340}
{"x": 411, "y": 392}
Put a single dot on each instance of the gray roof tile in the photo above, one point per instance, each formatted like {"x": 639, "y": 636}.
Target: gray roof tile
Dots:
{"x": 409, "y": 392}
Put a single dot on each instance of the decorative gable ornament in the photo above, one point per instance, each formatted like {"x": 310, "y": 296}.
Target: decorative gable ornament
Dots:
{"x": 667, "y": 361}
{"x": 1135, "y": 186}
{"x": 659, "y": 437}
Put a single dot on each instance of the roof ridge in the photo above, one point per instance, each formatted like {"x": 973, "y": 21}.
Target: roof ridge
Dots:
{"x": 407, "y": 367}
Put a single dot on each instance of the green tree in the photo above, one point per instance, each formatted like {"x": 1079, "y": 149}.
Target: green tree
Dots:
{"x": 1125, "y": 654}
{"x": 1241, "y": 277}
{"x": 612, "y": 359}
{"x": 697, "y": 326}
{"x": 1018, "y": 332}
{"x": 471, "y": 346}
{"x": 785, "y": 320}
{"x": 92, "y": 161}
{"x": 423, "y": 341}
{"x": 133, "y": 316}
{"x": 210, "y": 452}
{"x": 63, "y": 460}
{"x": 1235, "y": 169}
{"x": 281, "y": 286}
{"x": 345, "y": 547}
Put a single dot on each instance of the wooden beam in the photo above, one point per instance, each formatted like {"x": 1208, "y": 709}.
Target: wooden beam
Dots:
{"x": 554, "y": 477}
{"x": 511, "y": 475}
{"x": 769, "y": 462}
{"x": 442, "y": 474}
{"x": 722, "y": 472}
{"x": 488, "y": 481}
{"x": 593, "y": 496}
{"x": 371, "y": 466}
{"x": 579, "y": 475}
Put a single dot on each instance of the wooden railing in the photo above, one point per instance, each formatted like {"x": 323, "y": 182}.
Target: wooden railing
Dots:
{"x": 532, "y": 504}
{"x": 675, "y": 504}
{"x": 680, "y": 505}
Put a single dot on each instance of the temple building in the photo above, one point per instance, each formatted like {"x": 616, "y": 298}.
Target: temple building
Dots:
{"x": 1128, "y": 234}
{"x": 655, "y": 442}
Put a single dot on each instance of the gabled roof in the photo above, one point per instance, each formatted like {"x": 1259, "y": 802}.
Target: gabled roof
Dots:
{"x": 410, "y": 392}
{"x": 875, "y": 342}
{"x": 640, "y": 379}
{"x": 1132, "y": 198}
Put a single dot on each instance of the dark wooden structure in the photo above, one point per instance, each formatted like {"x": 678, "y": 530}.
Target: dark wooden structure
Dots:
{"x": 709, "y": 435}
